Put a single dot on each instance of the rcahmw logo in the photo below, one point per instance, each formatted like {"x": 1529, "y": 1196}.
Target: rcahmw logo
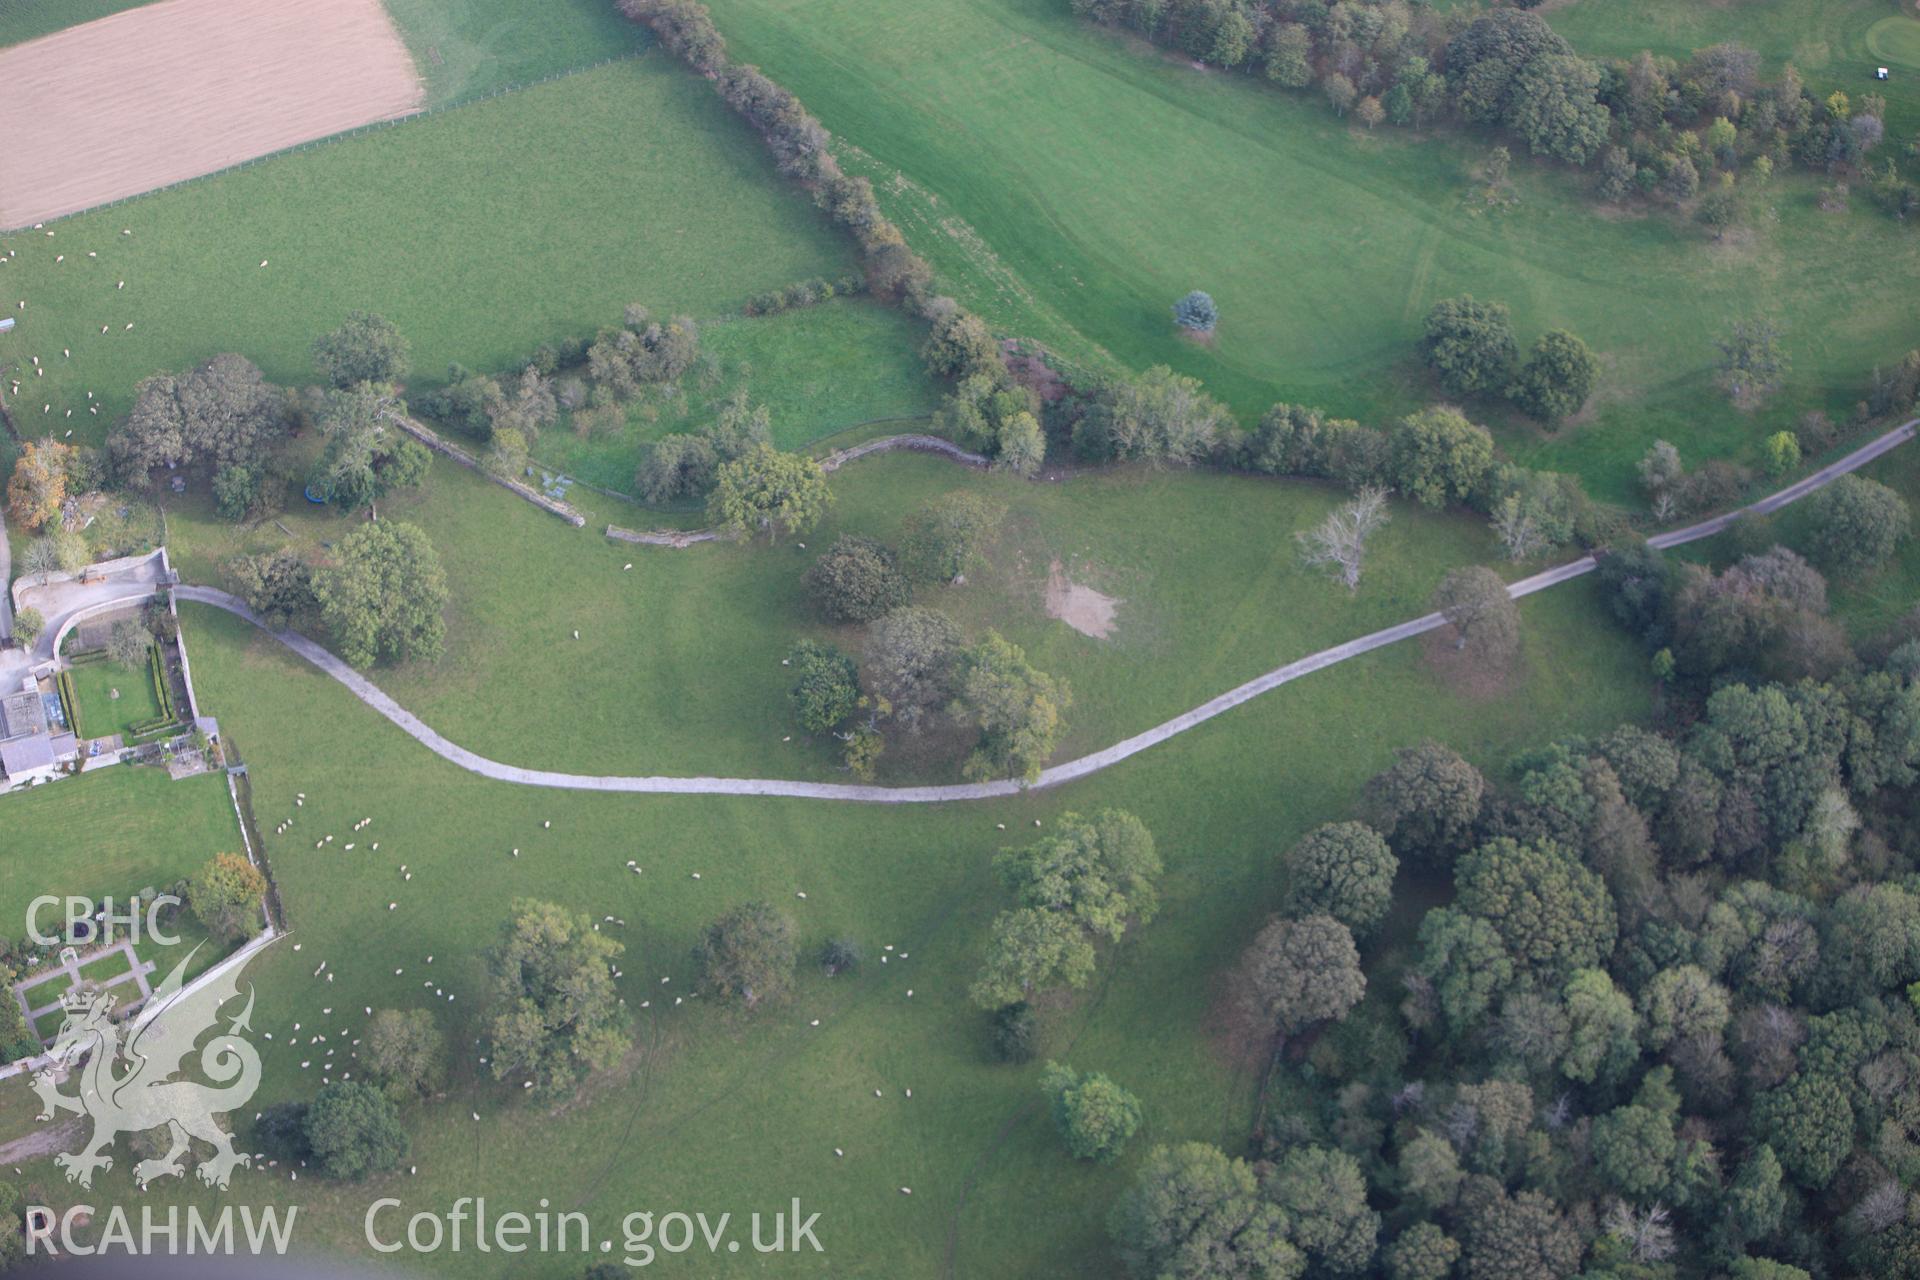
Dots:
{"x": 122, "y": 1072}
{"x": 161, "y": 1230}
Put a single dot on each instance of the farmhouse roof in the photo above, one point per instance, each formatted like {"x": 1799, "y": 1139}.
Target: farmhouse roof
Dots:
{"x": 21, "y": 755}
{"x": 22, "y": 714}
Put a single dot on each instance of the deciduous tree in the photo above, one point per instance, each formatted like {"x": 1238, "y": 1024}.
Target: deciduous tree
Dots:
{"x": 857, "y": 580}
{"x": 1341, "y": 869}
{"x": 748, "y": 955}
{"x": 1339, "y": 543}
{"x": 1519, "y": 1237}
{"x": 909, "y": 661}
{"x": 1752, "y": 364}
{"x": 1016, "y": 706}
{"x": 1030, "y": 950}
{"x": 1427, "y": 802}
{"x": 352, "y": 1131}
{"x": 1159, "y": 417}
{"x": 383, "y": 595}
{"x": 767, "y": 490}
{"x": 1421, "y": 1252}
{"x": 39, "y": 483}
{"x": 1195, "y": 1214}
{"x": 1098, "y": 871}
{"x": 404, "y": 1053}
{"x": 1469, "y": 345}
{"x": 1325, "y": 1195}
{"x": 277, "y": 586}
{"x": 365, "y": 348}
{"x": 826, "y": 685}
{"x": 1299, "y": 972}
{"x": 1808, "y": 1123}
{"x": 1557, "y": 377}
{"x": 1095, "y": 1116}
{"x": 944, "y": 536}
{"x": 555, "y": 1011}
{"x": 1857, "y": 524}
{"x": 1439, "y": 456}
{"x": 128, "y": 644}
{"x": 223, "y": 413}
{"x": 1484, "y": 618}
{"x": 226, "y": 894}
{"x": 1552, "y": 913}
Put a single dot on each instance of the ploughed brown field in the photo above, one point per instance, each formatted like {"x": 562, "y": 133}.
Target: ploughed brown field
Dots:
{"x": 180, "y": 88}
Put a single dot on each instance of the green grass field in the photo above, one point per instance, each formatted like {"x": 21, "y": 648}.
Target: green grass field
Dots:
{"x": 686, "y": 1126}
{"x": 481, "y": 233}
{"x": 1071, "y": 185}
{"x": 678, "y": 666}
{"x": 467, "y": 48}
{"x": 111, "y": 832}
{"x": 820, "y": 371}
{"x": 100, "y": 712}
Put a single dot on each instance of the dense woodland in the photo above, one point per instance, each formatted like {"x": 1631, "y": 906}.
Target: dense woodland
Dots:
{"x": 1665, "y": 1023}
{"x": 1649, "y": 128}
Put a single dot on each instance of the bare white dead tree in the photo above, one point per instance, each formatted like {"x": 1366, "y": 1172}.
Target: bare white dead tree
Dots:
{"x": 1881, "y": 1208}
{"x": 1518, "y": 531}
{"x": 1647, "y": 1233}
{"x": 1340, "y": 542}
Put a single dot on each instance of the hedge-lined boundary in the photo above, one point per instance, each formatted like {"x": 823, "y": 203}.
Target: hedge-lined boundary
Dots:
{"x": 832, "y": 462}
{"x": 959, "y": 344}
{"x": 156, "y": 670}
{"x": 69, "y": 701}
{"x": 446, "y": 448}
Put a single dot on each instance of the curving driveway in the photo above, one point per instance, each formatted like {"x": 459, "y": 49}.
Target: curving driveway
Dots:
{"x": 369, "y": 693}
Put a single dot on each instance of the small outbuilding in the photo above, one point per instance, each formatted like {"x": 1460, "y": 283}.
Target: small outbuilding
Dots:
{"x": 27, "y": 760}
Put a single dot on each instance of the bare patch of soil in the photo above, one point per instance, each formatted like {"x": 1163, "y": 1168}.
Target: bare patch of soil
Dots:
{"x": 1463, "y": 672}
{"x": 1078, "y": 605}
{"x": 169, "y": 91}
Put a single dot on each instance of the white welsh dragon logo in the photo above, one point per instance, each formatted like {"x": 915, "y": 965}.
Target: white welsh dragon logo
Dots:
{"x": 156, "y": 1045}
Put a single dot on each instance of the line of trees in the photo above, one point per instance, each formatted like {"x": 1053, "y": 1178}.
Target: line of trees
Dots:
{"x": 1651, "y": 127}
{"x": 988, "y": 408}
{"x": 1436, "y": 456}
